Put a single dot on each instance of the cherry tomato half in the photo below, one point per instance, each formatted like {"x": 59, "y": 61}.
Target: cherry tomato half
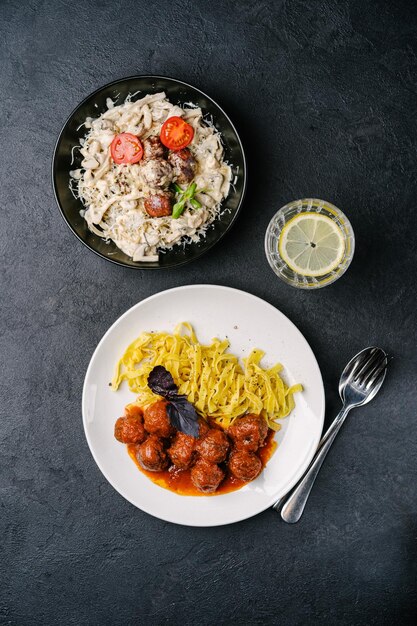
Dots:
{"x": 176, "y": 133}
{"x": 126, "y": 148}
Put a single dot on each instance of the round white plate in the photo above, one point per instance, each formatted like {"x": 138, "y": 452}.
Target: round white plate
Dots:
{"x": 248, "y": 322}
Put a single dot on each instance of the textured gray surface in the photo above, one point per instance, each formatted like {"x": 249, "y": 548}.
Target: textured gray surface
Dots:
{"x": 324, "y": 94}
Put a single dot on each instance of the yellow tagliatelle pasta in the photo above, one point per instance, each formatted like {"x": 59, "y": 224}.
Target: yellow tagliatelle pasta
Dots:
{"x": 211, "y": 378}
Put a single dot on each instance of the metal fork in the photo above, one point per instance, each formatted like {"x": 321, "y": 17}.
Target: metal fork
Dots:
{"x": 360, "y": 382}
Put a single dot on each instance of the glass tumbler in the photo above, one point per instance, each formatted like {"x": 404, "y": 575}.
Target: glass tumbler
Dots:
{"x": 275, "y": 227}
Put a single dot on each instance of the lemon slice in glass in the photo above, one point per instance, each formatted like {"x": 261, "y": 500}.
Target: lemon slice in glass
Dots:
{"x": 311, "y": 244}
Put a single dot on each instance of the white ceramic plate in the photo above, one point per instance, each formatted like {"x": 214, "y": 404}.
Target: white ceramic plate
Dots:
{"x": 248, "y": 322}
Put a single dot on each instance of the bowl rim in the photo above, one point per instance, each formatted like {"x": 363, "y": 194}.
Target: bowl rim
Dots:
{"x": 67, "y": 221}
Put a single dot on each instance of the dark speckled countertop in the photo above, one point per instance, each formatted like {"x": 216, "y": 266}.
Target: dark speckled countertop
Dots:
{"x": 324, "y": 94}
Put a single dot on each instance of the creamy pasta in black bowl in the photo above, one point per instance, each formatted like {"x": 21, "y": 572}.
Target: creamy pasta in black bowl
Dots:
{"x": 149, "y": 172}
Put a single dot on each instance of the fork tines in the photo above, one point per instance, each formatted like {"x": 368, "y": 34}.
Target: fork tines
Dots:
{"x": 373, "y": 377}
{"x": 373, "y": 357}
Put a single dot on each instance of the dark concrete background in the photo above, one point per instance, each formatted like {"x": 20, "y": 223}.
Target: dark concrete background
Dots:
{"x": 324, "y": 94}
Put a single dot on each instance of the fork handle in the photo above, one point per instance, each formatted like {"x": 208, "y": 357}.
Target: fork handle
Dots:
{"x": 294, "y": 507}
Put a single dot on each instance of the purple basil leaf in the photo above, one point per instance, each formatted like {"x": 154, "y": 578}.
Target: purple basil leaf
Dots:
{"x": 161, "y": 382}
{"x": 183, "y": 416}
{"x": 181, "y": 413}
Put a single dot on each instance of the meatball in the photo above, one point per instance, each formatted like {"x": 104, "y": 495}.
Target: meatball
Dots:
{"x": 153, "y": 148}
{"x": 204, "y": 428}
{"x": 133, "y": 410}
{"x": 182, "y": 449}
{"x": 129, "y": 429}
{"x": 206, "y": 476}
{"x": 183, "y": 164}
{"x": 245, "y": 465}
{"x": 249, "y": 432}
{"x": 213, "y": 446}
{"x": 151, "y": 454}
{"x": 157, "y": 173}
{"x": 156, "y": 420}
{"x": 159, "y": 205}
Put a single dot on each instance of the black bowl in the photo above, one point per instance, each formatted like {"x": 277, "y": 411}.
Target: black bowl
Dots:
{"x": 177, "y": 92}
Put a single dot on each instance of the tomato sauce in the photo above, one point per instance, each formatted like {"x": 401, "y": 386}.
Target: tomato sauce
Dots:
{"x": 179, "y": 481}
